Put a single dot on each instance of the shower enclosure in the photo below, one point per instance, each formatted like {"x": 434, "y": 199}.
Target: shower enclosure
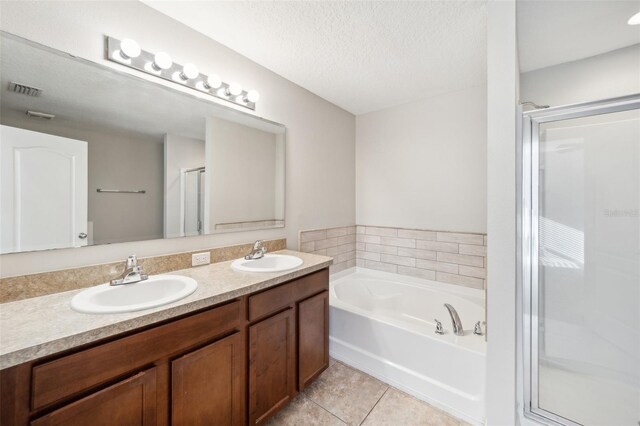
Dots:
{"x": 580, "y": 263}
{"x": 193, "y": 201}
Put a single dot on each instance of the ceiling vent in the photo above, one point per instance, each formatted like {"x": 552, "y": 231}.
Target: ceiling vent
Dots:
{"x": 38, "y": 114}
{"x": 24, "y": 89}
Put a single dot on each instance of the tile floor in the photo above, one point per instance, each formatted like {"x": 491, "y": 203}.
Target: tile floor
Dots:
{"x": 345, "y": 396}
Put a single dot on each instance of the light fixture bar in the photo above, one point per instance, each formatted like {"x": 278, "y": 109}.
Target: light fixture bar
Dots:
{"x": 126, "y": 52}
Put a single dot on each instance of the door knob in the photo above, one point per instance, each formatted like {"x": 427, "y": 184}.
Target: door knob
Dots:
{"x": 82, "y": 235}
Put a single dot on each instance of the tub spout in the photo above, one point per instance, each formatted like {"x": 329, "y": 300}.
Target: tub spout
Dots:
{"x": 455, "y": 320}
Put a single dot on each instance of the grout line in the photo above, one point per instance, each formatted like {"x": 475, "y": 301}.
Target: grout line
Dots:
{"x": 376, "y": 404}
{"x": 322, "y": 408}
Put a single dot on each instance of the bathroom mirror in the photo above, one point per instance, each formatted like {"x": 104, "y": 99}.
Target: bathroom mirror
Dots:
{"x": 93, "y": 155}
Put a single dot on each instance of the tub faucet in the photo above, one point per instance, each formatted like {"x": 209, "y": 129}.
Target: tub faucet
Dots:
{"x": 257, "y": 252}
{"x": 455, "y": 319}
{"x": 132, "y": 273}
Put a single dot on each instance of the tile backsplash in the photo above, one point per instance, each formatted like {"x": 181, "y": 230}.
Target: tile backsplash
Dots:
{"x": 450, "y": 257}
{"x": 339, "y": 243}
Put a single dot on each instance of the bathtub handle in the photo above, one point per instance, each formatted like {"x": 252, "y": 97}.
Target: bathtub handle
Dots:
{"x": 477, "y": 330}
{"x": 439, "y": 329}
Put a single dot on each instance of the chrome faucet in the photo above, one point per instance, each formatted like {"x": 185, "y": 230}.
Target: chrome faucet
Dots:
{"x": 257, "y": 252}
{"x": 132, "y": 273}
{"x": 455, "y": 319}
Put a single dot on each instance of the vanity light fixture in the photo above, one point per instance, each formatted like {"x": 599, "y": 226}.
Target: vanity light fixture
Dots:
{"x": 161, "y": 61}
{"x": 127, "y": 52}
{"x": 634, "y": 20}
{"x": 252, "y": 96}
{"x": 189, "y": 71}
{"x": 129, "y": 49}
{"x": 234, "y": 89}
{"x": 212, "y": 82}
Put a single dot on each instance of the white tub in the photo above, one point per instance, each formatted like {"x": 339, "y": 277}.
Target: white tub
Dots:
{"x": 383, "y": 324}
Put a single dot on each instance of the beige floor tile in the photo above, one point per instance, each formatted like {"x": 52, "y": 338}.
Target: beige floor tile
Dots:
{"x": 301, "y": 411}
{"x": 397, "y": 408}
{"x": 346, "y": 393}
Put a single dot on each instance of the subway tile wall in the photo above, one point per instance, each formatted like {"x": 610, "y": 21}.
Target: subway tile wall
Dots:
{"x": 449, "y": 257}
{"x": 339, "y": 243}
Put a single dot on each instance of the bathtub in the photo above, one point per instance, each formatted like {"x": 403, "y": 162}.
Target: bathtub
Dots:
{"x": 383, "y": 324}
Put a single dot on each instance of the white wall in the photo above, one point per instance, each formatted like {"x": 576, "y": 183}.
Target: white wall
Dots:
{"x": 179, "y": 153}
{"x": 423, "y": 164}
{"x": 502, "y": 84}
{"x": 241, "y": 173}
{"x": 320, "y": 136}
{"x": 609, "y": 75}
{"x": 131, "y": 162}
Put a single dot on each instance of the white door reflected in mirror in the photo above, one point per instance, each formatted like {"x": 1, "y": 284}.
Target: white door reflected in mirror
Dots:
{"x": 44, "y": 191}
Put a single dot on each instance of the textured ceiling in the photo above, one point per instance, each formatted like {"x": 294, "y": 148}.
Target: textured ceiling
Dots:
{"x": 552, "y": 32}
{"x": 361, "y": 56}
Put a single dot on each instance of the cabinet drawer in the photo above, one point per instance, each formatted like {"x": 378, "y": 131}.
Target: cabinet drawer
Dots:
{"x": 66, "y": 376}
{"x": 274, "y": 299}
{"x": 130, "y": 402}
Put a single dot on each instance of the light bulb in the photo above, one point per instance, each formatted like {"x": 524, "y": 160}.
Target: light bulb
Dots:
{"x": 129, "y": 49}
{"x": 189, "y": 71}
{"x": 253, "y": 96}
{"x": 161, "y": 61}
{"x": 634, "y": 20}
{"x": 235, "y": 89}
{"x": 214, "y": 81}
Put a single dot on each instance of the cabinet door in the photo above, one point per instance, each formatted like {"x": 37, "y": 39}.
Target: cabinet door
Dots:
{"x": 130, "y": 402}
{"x": 208, "y": 384}
{"x": 313, "y": 338}
{"x": 271, "y": 365}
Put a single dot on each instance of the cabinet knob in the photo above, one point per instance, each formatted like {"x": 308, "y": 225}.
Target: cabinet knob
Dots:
{"x": 82, "y": 235}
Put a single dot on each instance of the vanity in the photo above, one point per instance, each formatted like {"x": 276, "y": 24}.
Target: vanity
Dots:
{"x": 190, "y": 157}
{"x": 236, "y": 362}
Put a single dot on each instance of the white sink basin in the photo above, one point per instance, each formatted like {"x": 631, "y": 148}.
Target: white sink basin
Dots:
{"x": 268, "y": 263}
{"x": 156, "y": 291}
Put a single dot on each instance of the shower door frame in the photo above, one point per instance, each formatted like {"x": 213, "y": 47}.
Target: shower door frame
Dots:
{"x": 200, "y": 171}
{"x": 528, "y": 210}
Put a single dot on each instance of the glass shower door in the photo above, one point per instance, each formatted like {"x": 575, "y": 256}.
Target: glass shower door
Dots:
{"x": 582, "y": 246}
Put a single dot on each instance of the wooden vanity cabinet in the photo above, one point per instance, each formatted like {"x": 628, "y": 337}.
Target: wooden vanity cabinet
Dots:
{"x": 233, "y": 364}
{"x": 288, "y": 342}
